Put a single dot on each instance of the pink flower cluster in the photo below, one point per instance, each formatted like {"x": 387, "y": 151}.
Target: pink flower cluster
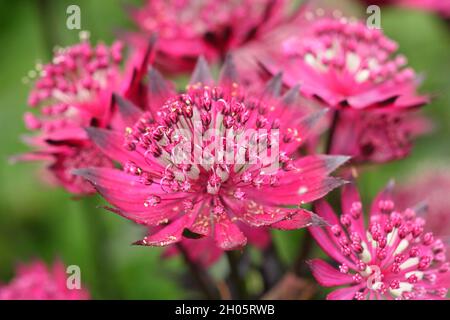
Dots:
{"x": 216, "y": 165}
{"x": 73, "y": 92}
{"x": 429, "y": 190}
{"x": 354, "y": 71}
{"x": 36, "y": 281}
{"x": 391, "y": 257}
{"x": 188, "y": 29}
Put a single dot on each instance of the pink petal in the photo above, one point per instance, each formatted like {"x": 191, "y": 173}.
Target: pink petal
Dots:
{"x": 129, "y": 113}
{"x": 112, "y": 145}
{"x": 66, "y": 134}
{"x": 170, "y": 234}
{"x": 259, "y": 237}
{"x": 350, "y": 195}
{"x": 309, "y": 182}
{"x": 129, "y": 195}
{"x": 300, "y": 218}
{"x": 343, "y": 293}
{"x": 202, "y": 224}
{"x": 257, "y": 215}
{"x": 323, "y": 236}
{"x": 408, "y": 101}
{"x": 227, "y": 235}
{"x": 32, "y": 156}
{"x": 203, "y": 251}
{"x": 324, "y": 210}
{"x": 328, "y": 276}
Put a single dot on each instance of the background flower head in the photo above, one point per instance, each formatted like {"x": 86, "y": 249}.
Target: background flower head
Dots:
{"x": 428, "y": 188}
{"x": 390, "y": 257}
{"x": 72, "y": 92}
{"x": 346, "y": 66}
{"x": 36, "y": 281}
{"x": 189, "y": 29}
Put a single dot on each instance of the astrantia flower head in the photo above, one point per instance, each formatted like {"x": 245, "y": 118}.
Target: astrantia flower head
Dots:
{"x": 378, "y": 135}
{"x": 72, "y": 92}
{"x": 348, "y": 67}
{"x": 211, "y": 158}
{"x": 430, "y": 188}
{"x": 188, "y": 29}
{"x": 389, "y": 258}
{"x": 345, "y": 64}
{"x": 37, "y": 282}
{"x": 77, "y": 76}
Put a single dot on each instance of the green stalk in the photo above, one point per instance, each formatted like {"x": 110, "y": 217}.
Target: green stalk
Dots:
{"x": 236, "y": 277}
{"x": 47, "y": 21}
{"x": 98, "y": 238}
{"x": 201, "y": 276}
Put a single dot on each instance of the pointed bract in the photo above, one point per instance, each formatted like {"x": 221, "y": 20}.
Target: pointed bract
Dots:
{"x": 273, "y": 87}
{"x": 228, "y": 73}
{"x": 291, "y": 96}
{"x": 201, "y": 73}
{"x": 129, "y": 112}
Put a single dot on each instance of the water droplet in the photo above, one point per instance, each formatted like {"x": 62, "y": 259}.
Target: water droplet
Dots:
{"x": 152, "y": 201}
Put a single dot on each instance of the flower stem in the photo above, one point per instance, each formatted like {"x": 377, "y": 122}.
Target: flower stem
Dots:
{"x": 49, "y": 32}
{"x": 332, "y": 131}
{"x": 299, "y": 265}
{"x": 201, "y": 276}
{"x": 272, "y": 268}
{"x": 101, "y": 260}
{"x": 236, "y": 278}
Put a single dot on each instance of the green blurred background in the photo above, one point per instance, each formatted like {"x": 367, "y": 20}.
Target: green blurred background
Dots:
{"x": 38, "y": 221}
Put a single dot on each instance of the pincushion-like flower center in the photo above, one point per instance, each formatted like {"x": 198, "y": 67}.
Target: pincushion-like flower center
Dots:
{"x": 178, "y": 19}
{"x": 75, "y": 74}
{"x": 70, "y": 88}
{"x": 211, "y": 143}
{"x": 394, "y": 257}
{"x": 350, "y": 50}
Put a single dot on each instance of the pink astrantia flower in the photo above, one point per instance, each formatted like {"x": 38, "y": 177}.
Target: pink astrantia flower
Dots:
{"x": 213, "y": 194}
{"x": 74, "y": 91}
{"x": 188, "y": 29}
{"x": 429, "y": 188}
{"x": 377, "y": 136}
{"x": 205, "y": 252}
{"x": 390, "y": 258}
{"x": 38, "y": 282}
{"x": 354, "y": 70}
